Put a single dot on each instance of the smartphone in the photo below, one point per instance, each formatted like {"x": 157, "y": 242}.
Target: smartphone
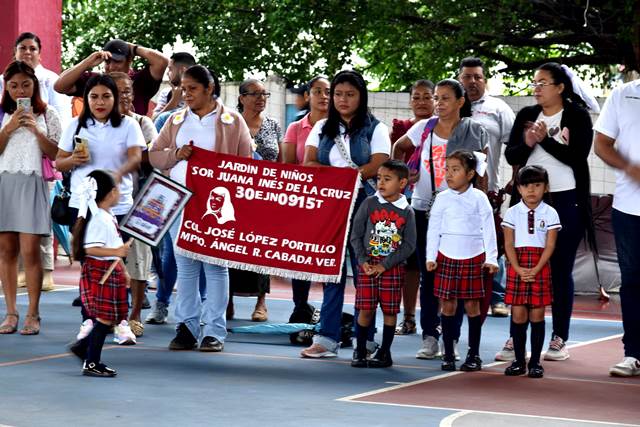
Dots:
{"x": 25, "y": 103}
{"x": 82, "y": 146}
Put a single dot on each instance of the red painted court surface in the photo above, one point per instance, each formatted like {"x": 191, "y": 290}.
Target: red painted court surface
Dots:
{"x": 579, "y": 390}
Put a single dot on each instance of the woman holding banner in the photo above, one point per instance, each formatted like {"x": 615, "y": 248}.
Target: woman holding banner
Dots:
{"x": 207, "y": 124}
{"x": 350, "y": 137}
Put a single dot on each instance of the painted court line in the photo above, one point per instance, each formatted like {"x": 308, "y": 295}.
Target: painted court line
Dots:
{"x": 448, "y": 421}
{"x": 353, "y": 398}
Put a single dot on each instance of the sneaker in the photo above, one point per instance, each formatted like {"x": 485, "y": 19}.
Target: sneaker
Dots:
{"x": 456, "y": 353}
{"x": 472, "y": 363}
{"x": 85, "y": 329}
{"x": 123, "y": 335}
{"x": 430, "y": 349}
{"x": 407, "y": 326}
{"x": 317, "y": 351}
{"x": 557, "y": 349}
{"x": 93, "y": 369}
{"x": 183, "y": 340}
{"x": 499, "y": 310}
{"x": 507, "y": 353}
{"x": 158, "y": 315}
{"x": 382, "y": 359}
{"x": 629, "y": 367}
{"x": 211, "y": 344}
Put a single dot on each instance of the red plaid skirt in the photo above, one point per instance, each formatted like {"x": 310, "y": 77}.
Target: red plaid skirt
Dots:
{"x": 459, "y": 278}
{"x": 534, "y": 294}
{"x": 107, "y": 301}
{"x": 385, "y": 289}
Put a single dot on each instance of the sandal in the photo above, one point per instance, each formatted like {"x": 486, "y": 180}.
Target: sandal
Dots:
{"x": 259, "y": 314}
{"x": 6, "y": 328}
{"x": 31, "y": 329}
{"x": 136, "y": 327}
{"x": 407, "y": 326}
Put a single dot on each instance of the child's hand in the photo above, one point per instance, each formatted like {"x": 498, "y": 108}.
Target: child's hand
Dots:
{"x": 491, "y": 268}
{"x": 127, "y": 278}
{"x": 525, "y": 275}
{"x": 377, "y": 270}
{"x": 122, "y": 251}
{"x": 431, "y": 266}
{"x": 366, "y": 267}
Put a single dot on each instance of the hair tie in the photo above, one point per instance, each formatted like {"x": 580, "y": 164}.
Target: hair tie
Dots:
{"x": 481, "y": 164}
{"x": 88, "y": 191}
{"x": 581, "y": 89}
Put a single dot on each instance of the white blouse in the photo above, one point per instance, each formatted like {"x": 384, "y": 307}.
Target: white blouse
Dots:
{"x": 102, "y": 232}
{"x": 22, "y": 153}
{"x": 461, "y": 226}
{"x": 545, "y": 218}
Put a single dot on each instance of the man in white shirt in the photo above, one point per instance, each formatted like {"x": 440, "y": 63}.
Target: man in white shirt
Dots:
{"x": 497, "y": 118}
{"x": 616, "y": 143}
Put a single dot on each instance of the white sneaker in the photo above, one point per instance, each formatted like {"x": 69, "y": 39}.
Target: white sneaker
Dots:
{"x": 430, "y": 349}
{"x": 506, "y": 354}
{"x": 85, "y": 329}
{"x": 629, "y": 367}
{"x": 557, "y": 349}
{"x": 317, "y": 351}
{"x": 123, "y": 335}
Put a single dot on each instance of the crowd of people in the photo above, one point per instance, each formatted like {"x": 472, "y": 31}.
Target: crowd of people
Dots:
{"x": 435, "y": 176}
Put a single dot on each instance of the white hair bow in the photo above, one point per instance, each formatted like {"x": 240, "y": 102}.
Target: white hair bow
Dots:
{"x": 88, "y": 191}
{"x": 582, "y": 89}
{"x": 481, "y": 164}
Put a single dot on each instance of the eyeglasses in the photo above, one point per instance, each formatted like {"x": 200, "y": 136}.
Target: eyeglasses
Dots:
{"x": 319, "y": 91}
{"x": 258, "y": 94}
{"x": 539, "y": 85}
{"x": 530, "y": 221}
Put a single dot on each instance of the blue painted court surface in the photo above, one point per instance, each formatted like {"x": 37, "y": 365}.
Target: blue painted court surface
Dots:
{"x": 256, "y": 381}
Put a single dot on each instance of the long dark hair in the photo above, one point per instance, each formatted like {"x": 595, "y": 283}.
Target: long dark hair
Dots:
{"x": 559, "y": 76}
{"x": 331, "y": 127}
{"x": 105, "y": 80}
{"x": 9, "y": 104}
{"x": 459, "y": 92}
{"x": 243, "y": 90}
{"x": 106, "y": 183}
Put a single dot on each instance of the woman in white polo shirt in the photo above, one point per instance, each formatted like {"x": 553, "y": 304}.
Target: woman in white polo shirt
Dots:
{"x": 115, "y": 143}
{"x": 207, "y": 124}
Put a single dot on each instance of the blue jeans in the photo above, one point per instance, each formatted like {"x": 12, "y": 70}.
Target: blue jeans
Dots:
{"x": 563, "y": 258}
{"x": 429, "y": 308}
{"x": 330, "y": 334}
{"x": 626, "y": 229}
{"x": 499, "y": 283}
{"x": 190, "y": 309}
{"x": 167, "y": 280}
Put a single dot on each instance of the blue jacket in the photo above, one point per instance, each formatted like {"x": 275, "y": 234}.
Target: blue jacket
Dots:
{"x": 359, "y": 143}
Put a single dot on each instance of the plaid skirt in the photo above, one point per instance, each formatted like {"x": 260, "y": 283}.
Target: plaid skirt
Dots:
{"x": 459, "y": 278}
{"x": 534, "y": 294}
{"x": 109, "y": 300}
{"x": 385, "y": 289}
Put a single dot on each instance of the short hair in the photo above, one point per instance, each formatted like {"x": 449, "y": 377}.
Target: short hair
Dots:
{"x": 119, "y": 75}
{"x": 471, "y": 62}
{"x": 8, "y": 104}
{"x": 532, "y": 174}
{"x": 28, "y": 36}
{"x": 422, "y": 83}
{"x": 183, "y": 58}
{"x": 243, "y": 90}
{"x": 398, "y": 167}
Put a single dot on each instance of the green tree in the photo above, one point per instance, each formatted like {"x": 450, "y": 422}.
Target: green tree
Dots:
{"x": 397, "y": 40}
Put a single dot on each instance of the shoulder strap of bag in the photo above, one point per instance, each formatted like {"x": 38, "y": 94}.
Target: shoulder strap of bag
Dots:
{"x": 339, "y": 141}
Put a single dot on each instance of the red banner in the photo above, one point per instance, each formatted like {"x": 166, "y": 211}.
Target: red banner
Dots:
{"x": 266, "y": 217}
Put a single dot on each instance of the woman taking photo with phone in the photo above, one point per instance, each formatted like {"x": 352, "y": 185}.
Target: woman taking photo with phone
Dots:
{"x": 30, "y": 131}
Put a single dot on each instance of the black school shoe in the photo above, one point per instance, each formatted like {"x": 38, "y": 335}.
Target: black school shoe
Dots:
{"x": 358, "y": 362}
{"x": 535, "y": 371}
{"x": 448, "y": 363}
{"x": 184, "y": 340}
{"x": 517, "y": 368}
{"x": 211, "y": 344}
{"x": 471, "y": 364}
{"x": 93, "y": 369}
{"x": 381, "y": 359}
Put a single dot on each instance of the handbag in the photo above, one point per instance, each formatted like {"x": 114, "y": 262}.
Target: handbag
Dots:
{"x": 414, "y": 161}
{"x": 60, "y": 210}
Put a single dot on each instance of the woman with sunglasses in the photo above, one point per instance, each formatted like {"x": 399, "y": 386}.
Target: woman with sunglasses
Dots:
{"x": 266, "y": 134}
{"x": 557, "y": 134}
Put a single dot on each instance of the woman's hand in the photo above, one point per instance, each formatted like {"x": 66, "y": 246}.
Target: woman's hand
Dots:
{"x": 534, "y": 133}
{"x": 414, "y": 176}
{"x": 184, "y": 152}
{"x": 14, "y": 122}
{"x": 78, "y": 158}
{"x": 28, "y": 121}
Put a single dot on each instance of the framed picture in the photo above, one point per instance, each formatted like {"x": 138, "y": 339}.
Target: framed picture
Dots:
{"x": 156, "y": 207}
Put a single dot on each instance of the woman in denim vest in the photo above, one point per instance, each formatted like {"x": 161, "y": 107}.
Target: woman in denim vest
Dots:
{"x": 350, "y": 137}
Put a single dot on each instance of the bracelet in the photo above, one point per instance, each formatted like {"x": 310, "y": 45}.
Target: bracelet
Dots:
{"x": 134, "y": 50}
